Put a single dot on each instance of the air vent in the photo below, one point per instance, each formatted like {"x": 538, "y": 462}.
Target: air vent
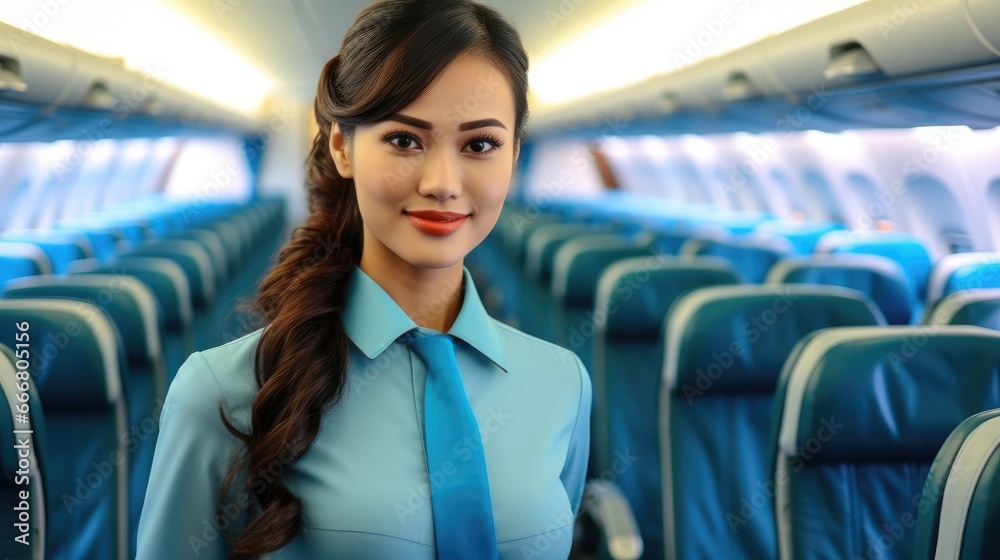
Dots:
{"x": 739, "y": 87}
{"x": 667, "y": 103}
{"x": 850, "y": 60}
{"x": 99, "y": 97}
{"x": 10, "y": 76}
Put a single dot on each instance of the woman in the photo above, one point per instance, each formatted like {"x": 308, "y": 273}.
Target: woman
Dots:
{"x": 340, "y": 435}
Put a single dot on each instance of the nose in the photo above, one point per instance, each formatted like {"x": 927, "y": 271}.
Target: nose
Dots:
{"x": 442, "y": 177}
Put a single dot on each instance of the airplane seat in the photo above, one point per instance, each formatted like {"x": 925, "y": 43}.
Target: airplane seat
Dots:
{"x": 521, "y": 232}
{"x": 668, "y": 242}
{"x": 724, "y": 350}
{"x": 169, "y": 285}
{"x": 860, "y": 414}
{"x": 536, "y": 314}
{"x": 980, "y": 308}
{"x": 22, "y": 259}
{"x": 78, "y": 371}
{"x": 22, "y": 460}
{"x": 576, "y": 270}
{"x": 880, "y": 278}
{"x": 963, "y": 271}
{"x": 751, "y": 257}
{"x": 213, "y": 244}
{"x": 197, "y": 265}
{"x": 103, "y": 239}
{"x": 907, "y": 250}
{"x": 61, "y": 247}
{"x": 133, "y": 309}
{"x": 960, "y": 504}
{"x": 633, "y": 297}
{"x": 545, "y": 241}
{"x": 802, "y": 235}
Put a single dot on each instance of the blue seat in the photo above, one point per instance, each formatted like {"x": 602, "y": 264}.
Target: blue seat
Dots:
{"x": 803, "y": 235}
{"x": 968, "y": 307}
{"x": 575, "y": 273}
{"x": 881, "y": 279}
{"x": 169, "y": 285}
{"x": 62, "y": 247}
{"x": 134, "y": 311}
{"x": 861, "y": 414}
{"x": 103, "y": 240}
{"x": 633, "y": 297}
{"x": 77, "y": 369}
{"x": 197, "y": 265}
{"x": 536, "y": 314}
{"x": 752, "y": 257}
{"x": 903, "y": 248}
{"x": 724, "y": 350}
{"x": 960, "y": 505}
{"x": 22, "y": 458}
{"x": 22, "y": 259}
{"x": 963, "y": 271}
{"x": 546, "y": 240}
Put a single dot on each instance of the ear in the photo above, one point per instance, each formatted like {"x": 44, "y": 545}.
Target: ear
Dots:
{"x": 340, "y": 152}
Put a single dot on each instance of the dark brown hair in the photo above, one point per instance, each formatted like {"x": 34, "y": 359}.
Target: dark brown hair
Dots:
{"x": 391, "y": 54}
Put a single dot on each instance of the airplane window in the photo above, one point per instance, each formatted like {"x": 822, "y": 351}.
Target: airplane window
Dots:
{"x": 819, "y": 191}
{"x": 869, "y": 208}
{"x": 209, "y": 170}
{"x": 788, "y": 196}
{"x": 561, "y": 169}
{"x": 993, "y": 195}
{"x": 934, "y": 213}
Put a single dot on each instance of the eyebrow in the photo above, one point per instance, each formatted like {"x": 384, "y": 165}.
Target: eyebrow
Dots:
{"x": 420, "y": 123}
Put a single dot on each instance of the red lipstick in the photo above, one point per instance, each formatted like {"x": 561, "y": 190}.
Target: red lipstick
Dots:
{"x": 433, "y": 222}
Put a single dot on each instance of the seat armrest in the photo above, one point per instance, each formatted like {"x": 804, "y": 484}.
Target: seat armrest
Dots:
{"x": 606, "y": 506}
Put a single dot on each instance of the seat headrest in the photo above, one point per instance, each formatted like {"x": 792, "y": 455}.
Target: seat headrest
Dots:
{"x": 903, "y": 248}
{"x": 735, "y": 338}
{"x": 636, "y": 293}
{"x": 891, "y": 393}
{"x": 881, "y": 278}
{"x": 74, "y": 358}
{"x": 953, "y": 480}
{"x": 126, "y": 300}
{"x": 968, "y": 307}
{"x": 963, "y": 271}
{"x": 579, "y": 263}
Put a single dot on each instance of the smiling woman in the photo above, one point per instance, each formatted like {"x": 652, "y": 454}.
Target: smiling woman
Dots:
{"x": 380, "y": 412}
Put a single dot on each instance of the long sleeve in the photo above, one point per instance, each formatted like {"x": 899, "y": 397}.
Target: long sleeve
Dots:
{"x": 574, "y": 473}
{"x": 192, "y": 455}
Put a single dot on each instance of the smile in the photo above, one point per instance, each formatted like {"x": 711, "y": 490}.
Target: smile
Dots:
{"x": 433, "y": 222}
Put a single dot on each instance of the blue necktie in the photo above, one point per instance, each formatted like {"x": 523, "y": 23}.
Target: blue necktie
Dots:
{"x": 460, "y": 488}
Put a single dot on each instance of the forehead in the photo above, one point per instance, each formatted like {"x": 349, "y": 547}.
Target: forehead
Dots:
{"x": 470, "y": 88}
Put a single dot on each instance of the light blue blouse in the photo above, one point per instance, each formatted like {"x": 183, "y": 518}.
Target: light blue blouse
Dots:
{"x": 364, "y": 483}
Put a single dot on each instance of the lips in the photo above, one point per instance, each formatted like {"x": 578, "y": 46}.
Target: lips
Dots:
{"x": 433, "y": 222}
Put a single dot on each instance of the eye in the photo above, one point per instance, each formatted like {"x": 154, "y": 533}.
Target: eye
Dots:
{"x": 483, "y": 145}
{"x": 402, "y": 141}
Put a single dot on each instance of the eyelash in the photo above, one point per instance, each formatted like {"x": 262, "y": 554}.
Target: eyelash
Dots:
{"x": 486, "y": 137}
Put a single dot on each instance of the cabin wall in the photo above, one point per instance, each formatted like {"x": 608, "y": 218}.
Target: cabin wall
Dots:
{"x": 939, "y": 183}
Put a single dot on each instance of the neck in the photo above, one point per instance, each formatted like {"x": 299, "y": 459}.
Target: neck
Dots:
{"x": 431, "y": 297}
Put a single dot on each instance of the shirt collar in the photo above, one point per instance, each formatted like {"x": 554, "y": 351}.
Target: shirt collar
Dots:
{"x": 373, "y": 319}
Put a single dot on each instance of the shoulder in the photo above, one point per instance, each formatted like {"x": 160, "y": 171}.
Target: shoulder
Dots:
{"x": 542, "y": 360}
{"x": 220, "y": 375}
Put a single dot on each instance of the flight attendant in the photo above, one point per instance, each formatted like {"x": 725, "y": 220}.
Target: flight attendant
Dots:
{"x": 381, "y": 413}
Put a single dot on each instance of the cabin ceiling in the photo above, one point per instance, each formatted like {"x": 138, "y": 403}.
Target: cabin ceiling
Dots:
{"x": 290, "y": 40}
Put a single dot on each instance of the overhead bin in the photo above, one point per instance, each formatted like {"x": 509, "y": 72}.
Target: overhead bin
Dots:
{"x": 985, "y": 21}
{"x": 896, "y": 37}
{"x": 50, "y": 91}
{"x": 880, "y": 63}
{"x": 32, "y": 70}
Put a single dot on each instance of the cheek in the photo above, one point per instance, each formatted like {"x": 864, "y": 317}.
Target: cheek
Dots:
{"x": 492, "y": 190}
